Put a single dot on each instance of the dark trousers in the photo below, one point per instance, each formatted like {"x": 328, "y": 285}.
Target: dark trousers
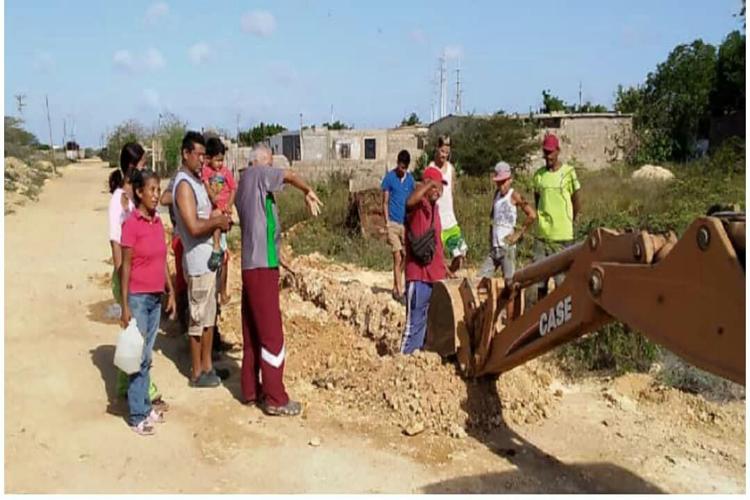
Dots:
{"x": 262, "y": 338}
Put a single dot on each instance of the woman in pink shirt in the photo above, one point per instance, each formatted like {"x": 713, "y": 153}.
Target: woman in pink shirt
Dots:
{"x": 144, "y": 276}
{"x": 132, "y": 157}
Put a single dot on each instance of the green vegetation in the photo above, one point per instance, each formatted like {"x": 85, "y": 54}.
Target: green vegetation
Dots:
{"x": 128, "y": 131}
{"x": 673, "y": 108}
{"x": 260, "y": 133}
{"x": 19, "y": 142}
{"x": 412, "y": 119}
{"x": 337, "y": 125}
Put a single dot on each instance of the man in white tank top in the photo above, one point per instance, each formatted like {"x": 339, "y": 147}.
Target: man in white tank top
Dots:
{"x": 451, "y": 236}
{"x": 503, "y": 233}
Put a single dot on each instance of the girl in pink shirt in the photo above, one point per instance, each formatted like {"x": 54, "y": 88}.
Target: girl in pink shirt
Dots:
{"x": 144, "y": 276}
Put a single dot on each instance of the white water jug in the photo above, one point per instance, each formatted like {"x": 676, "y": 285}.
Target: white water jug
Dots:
{"x": 129, "y": 350}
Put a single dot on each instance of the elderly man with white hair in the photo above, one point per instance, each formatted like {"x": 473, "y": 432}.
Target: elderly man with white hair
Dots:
{"x": 262, "y": 333}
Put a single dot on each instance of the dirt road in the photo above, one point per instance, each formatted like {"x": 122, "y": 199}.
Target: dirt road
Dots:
{"x": 64, "y": 430}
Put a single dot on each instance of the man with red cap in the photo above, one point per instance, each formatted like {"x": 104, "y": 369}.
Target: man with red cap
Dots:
{"x": 558, "y": 203}
{"x": 424, "y": 256}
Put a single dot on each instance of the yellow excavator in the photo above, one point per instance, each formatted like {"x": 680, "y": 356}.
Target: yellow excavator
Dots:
{"x": 687, "y": 295}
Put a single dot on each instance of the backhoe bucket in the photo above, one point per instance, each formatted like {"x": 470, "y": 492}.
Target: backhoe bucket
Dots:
{"x": 463, "y": 319}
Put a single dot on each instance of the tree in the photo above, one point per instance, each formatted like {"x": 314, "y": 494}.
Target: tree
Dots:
{"x": 552, "y": 103}
{"x": 128, "y": 131}
{"x": 337, "y": 125}
{"x": 411, "y": 120}
{"x": 19, "y": 142}
{"x": 171, "y": 132}
{"x": 260, "y": 133}
{"x": 587, "y": 107}
{"x": 728, "y": 93}
{"x": 677, "y": 95}
{"x": 629, "y": 100}
{"x": 479, "y": 143}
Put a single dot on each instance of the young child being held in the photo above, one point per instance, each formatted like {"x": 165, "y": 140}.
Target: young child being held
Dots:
{"x": 221, "y": 189}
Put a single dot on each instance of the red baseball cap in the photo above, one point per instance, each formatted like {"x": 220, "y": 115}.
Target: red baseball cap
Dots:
{"x": 550, "y": 143}
{"x": 435, "y": 174}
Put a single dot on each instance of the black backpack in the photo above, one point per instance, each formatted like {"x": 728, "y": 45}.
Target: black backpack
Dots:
{"x": 423, "y": 246}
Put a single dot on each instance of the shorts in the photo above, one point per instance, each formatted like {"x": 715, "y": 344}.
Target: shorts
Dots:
{"x": 202, "y": 303}
{"x": 500, "y": 257}
{"x": 396, "y": 234}
{"x": 453, "y": 241}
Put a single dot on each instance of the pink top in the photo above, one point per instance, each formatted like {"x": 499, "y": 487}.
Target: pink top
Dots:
{"x": 219, "y": 181}
{"x": 418, "y": 221}
{"x": 117, "y": 215}
{"x": 149, "y": 260}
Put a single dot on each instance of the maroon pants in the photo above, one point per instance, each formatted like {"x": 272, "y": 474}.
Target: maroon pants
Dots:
{"x": 263, "y": 338}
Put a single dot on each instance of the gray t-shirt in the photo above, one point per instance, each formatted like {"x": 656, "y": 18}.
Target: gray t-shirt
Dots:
{"x": 259, "y": 217}
{"x": 197, "y": 250}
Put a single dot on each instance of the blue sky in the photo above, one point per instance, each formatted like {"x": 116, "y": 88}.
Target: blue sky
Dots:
{"x": 102, "y": 62}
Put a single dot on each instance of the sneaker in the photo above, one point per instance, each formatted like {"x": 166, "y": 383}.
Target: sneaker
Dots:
{"x": 206, "y": 380}
{"x": 144, "y": 428}
{"x": 291, "y": 409}
{"x": 156, "y": 417}
{"x": 215, "y": 260}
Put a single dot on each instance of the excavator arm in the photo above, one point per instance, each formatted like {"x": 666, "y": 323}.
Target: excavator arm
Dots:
{"x": 686, "y": 295}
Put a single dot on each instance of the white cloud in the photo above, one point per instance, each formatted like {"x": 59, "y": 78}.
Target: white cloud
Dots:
{"x": 258, "y": 22}
{"x": 418, "y": 36}
{"x": 152, "y": 99}
{"x": 153, "y": 59}
{"x": 155, "y": 12}
{"x": 199, "y": 53}
{"x": 43, "y": 62}
{"x": 453, "y": 52}
{"x": 123, "y": 60}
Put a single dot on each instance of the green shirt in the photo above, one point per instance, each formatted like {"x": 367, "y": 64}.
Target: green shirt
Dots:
{"x": 555, "y": 207}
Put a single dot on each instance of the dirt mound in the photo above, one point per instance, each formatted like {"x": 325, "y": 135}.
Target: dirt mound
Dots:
{"x": 652, "y": 173}
{"x": 23, "y": 182}
{"x": 414, "y": 393}
{"x": 370, "y": 309}
{"x": 684, "y": 408}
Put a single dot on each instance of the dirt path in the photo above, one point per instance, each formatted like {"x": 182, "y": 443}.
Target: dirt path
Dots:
{"x": 64, "y": 431}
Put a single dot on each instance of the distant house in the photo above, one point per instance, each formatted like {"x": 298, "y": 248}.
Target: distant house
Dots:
{"x": 362, "y": 153}
{"x": 592, "y": 140}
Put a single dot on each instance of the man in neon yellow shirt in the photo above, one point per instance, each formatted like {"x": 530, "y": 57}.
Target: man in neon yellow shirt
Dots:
{"x": 558, "y": 202}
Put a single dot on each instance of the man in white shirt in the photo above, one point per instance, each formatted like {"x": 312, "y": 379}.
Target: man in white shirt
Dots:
{"x": 453, "y": 240}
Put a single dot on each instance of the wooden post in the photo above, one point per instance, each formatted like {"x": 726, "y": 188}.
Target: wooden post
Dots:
{"x": 51, "y": 145}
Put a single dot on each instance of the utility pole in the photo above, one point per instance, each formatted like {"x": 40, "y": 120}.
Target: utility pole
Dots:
{"x": 580, "y": 93}
{"x": 443, "y": 89}
{"x": 238, "y": 129}
{"x": 20, "y": 104}
{"x": 51, "y": 144}
{"x": 458, "y": 92}
{"x": 301, "y": 138}
{"x": 331, "y": 122}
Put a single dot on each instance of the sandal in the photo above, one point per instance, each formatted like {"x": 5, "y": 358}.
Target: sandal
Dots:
{"x": 156, "y": 417}
{"x": 144, "y": 428}
{"x": 291, "y": 409}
